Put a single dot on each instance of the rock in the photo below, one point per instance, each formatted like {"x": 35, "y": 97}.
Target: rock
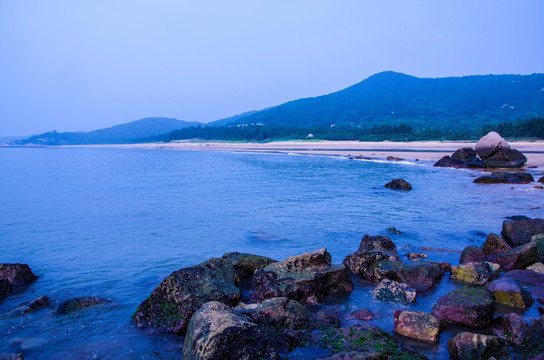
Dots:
{"x": 476, "y": 273}
{"x": 540, "y": 310}
{"x": 307, "y": 278}
{"x": 470, "y": 346}
{"x": 417, "y": 325}
{"x": 393, "y": 230}
{"x": 246, "y": 264}
{"x": 526, "y": 277}
{"x": 510, "y": 158}
{"x": 399, "y": 184}
{"x": 372, "y": 250}
{"x": 281, "y": 313}
{"x": 466, "y": 155}
{"x": 30, "y": 306}
{"x": 533, "y": 341}
{"x": 494, "y": 243}
{"x": 470, "y": 306}
{"x": 505, "y": 178}
{"x": 537, "y": 267}
{"x": 517, "y": 258}
{"x": 393, "y": 291}
{"x": 5, "y": 288}
{"x": 539, "y": 240}
{"x": 538, "y": 293}
{"x": 541, "y": 180}
{"x": 462, "y": 158}
{"x": 379, "y": 243}
{"x": 491, "y": 144}
{"x": 472, "y": 253}
{"x": 519, "y": 232}
{"x": 512, "y": 327}
{"x": 415, "y": 255}
{"x": 394, "y": 158}
{"x": 421, "y": 275}
{"x": 17, "y": 274}
{"x": 17, "y": 356}
{"x": 171, "y": 305}
{"x": 361, "y": 314}
{"x": 327, "y": 318}
{"x": 508, "y": 292}
{"x": 216, "y": 332}
{"x": 80, "y": 303}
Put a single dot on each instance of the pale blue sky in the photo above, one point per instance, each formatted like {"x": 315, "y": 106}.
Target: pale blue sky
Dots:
{"x": 81, "y": 65}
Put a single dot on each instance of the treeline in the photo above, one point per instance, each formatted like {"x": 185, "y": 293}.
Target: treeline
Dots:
{"x": 532, "y": 128}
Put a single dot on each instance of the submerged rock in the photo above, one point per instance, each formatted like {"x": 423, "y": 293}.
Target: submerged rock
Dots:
{"x": 494, "y": 243}
{"x": 361, "y": 314}
{"x": 12, "y": 356}
{"x": 307, "y": 278}
{"x": 215, "y": 332}
{"x": 470, "y": 346}
{"x": 511, "y": 326}
{"x": 417, "y": 325}
{"x": 517, "y": 258}
{"x": 17, "y": 274}
{"x": 526, "y": 277}
{"x": 80, "y": 303}
{"x": 471, "y": 253}
{"x": 476, "y": 273}
{"x": 520, "y": 232}
{"x": 393, "y": 230}
{"x": 416, "y": 256}
{"x": 171, "y": 305}
{"x": 30, "y": 306}
{"x": 508, "y": 292}
{"x": 399, "y": 184}
{"x": 470, "y": 306}
{"x": 393, "y": 291}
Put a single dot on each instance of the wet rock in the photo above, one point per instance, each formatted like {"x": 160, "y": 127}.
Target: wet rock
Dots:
{"x": 494, "y": 243}
{"x": 470, "y": 346}
{"x": 533, "y": 341}
{"x": 537, "y": 267}
{"x": 470, "y": 306}
{"x": 526, "y": 277}
{"x": 372, "y": 250}
{"x": 462, "y": 158}
{"x": 517, "y": 258}
{"x": 466, "y": 155}
{"x": 491, "y": 144}
{"x": 281, "y": 313}
{"x": 510, "y": 158}
{"x": 5, "y": 288}
{"x": 216, "y": 332}
{"x": 539, "y": 240}
{"x": 30, "y": 306}
{"x": 307, "y": 278}
{"x": 393, "y": 291}
{"x": 476, "y": 273}
{"x": 171, "y": 305}
{"x": 538, "y": 293}
{"x": 393, "y": 230}
{"x": 508, "y": 292}
{"x": 361, "y": 314}
{"x": 18, "y": 356}
{"x": 519, "y": 232}
{"x": 421, "y": 275}
{"x": 500, "y": 177}
{"x": 394, "y": 158}
{"x": 417, "y": 325}
{"x": 80, "y": 303}
{"x": 472, "y": 254}
{"x": 327, "y": 318}
{"x": 512, "y": 327}
{"x": 541, "y": 180}
{"x": 399, "y": 184}
{"x": 246, "y": 264}
{"x": 416, "y": 255}
{"x": 17, "y": 274}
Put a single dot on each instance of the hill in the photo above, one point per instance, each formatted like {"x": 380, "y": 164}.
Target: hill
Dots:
{"x": 390, "y": 98}
{"x": 135, "y": 131}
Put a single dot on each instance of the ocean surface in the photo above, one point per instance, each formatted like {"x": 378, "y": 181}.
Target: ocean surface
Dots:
{"x": 114, "y": 222}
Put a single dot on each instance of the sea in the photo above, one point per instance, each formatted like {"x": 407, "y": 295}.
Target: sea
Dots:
{"x": 112, "y": 223}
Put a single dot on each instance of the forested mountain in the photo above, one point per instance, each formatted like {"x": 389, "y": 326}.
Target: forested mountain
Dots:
{"x": 390, "y": 98}
{"x": 124, "y": 133}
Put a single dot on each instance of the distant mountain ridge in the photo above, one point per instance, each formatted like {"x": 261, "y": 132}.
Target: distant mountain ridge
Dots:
{"x": 133, "y": 131}
{"x": 390, "y": 98}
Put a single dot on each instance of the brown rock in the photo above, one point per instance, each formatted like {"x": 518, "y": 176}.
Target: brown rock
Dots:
{"x": 417, "y": 325}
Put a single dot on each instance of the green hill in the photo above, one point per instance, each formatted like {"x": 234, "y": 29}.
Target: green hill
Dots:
{"x": 135, "y": 131}
{"x": 390, "y": 98}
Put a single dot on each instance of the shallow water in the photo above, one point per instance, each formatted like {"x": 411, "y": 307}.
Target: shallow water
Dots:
{"x": 114, "y": 222}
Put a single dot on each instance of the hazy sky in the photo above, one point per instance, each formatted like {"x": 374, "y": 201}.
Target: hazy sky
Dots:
{"x": 82, "y": 65}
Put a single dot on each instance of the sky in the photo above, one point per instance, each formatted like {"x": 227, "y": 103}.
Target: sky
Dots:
{"x": 82, "y": 65}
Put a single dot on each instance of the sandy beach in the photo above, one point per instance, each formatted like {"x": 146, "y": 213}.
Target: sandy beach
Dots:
{"x": 420, "y": 150}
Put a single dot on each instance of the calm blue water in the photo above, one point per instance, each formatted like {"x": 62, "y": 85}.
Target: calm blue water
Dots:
{"x": 114, "y": 222}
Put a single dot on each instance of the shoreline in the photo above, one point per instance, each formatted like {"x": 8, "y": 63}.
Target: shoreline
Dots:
{"x": 414, "y": 151}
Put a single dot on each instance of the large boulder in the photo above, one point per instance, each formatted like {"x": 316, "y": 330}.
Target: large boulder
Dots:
{"x": 472, "y": 253}
{"x": 517, "y": 258}
{"x": 508, "y": 292}
{"x": 510, "y": 158}
{"x": 500, "y": 177}
{"x": 511, "y": 326}
{"x": 80, "y": 303}
{"x": 491, "y": 144}
{"x": 399, "y": 184}
{"x": 520, "y": 232}
{"x": 469, "y": 306}
{"x": 390, "y": 290}
{"x": 494, "y": 243}
{"x": 17, "y": 274}
{"x": 171, "y": 305}
{"x": 307, "y": 278}
{"x": 476, "y": 273}
{"x": 470, "y": 346}
{"x": 215, "y": 332}
{"x": 417, "y": 325}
